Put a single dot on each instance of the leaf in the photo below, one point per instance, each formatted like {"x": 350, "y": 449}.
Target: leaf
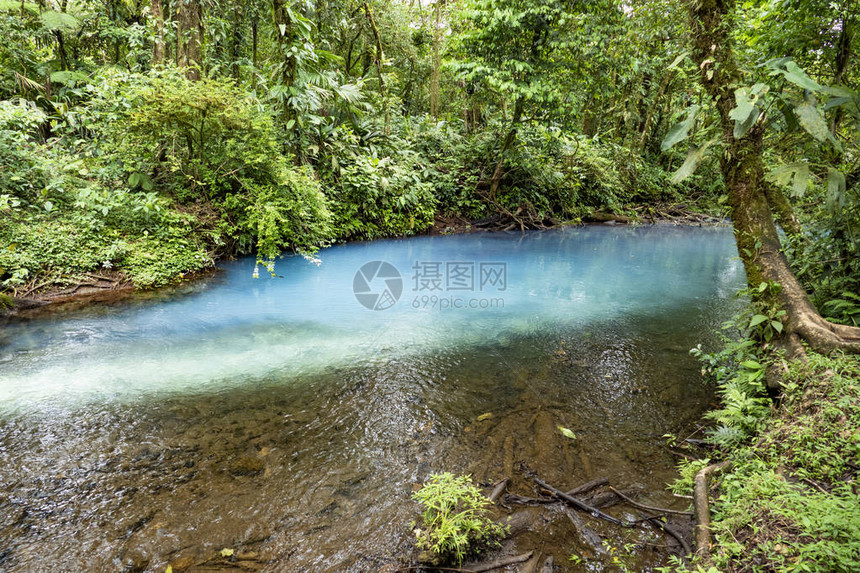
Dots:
{"x": 567, "y": 433}
{"x": 813, "y": 121}
{"x": 798, "y": 77}
{"x": 169, "y": 569}
{"x": 835, "y": 189}
{"x": 777, "y": 325}
{"x": 58, "y": 21}
{"x": 835, "y": 181}
{"x": 757, "y": 319}
{"x": 751, "y": 365}
{"x": 677, "y": 61}
{"x": 134, "y": 179}
{"x": 680, "y": 131}
{"x": 227, "y": 552}
{"x": 794, "y": 174}
{"x": 837, "y": 102}
{"x": 694, "y": 157}
{"x": 68, "y": 78}
{"x": 486, "y": 416}
{"x": 745, "y": 112}
{"x": 790, "y": 117}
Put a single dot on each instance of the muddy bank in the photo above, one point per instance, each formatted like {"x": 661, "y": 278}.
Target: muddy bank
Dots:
{"x": 108, "y": 288}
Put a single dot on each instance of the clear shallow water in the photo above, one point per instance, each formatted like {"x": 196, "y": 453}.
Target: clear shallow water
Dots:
{"x": 125, "y": 430}
{"x": 238, "y": 328}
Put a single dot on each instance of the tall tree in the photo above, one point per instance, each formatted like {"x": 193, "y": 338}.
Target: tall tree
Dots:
{"x": 157, "y": 12}
{"x": 510, "y": 49}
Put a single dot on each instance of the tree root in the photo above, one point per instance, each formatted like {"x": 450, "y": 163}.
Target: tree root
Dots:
{"x": 593, "y": 511}
{"x": 703, "y": 509}
{"x": 478, "y": 568}
{"x": 647, "y": 507}
{"x": 655, "y": 522}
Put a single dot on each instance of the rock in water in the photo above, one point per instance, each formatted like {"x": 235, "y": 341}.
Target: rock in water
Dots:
{"x": 247, "y": 465}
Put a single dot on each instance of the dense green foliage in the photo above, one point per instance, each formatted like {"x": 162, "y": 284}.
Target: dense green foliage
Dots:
{"x": 151, "y": 140}
{"x": 143, "y": 141}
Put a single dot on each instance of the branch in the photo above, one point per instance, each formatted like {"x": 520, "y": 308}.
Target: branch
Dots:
{"x": 703, "y": 510}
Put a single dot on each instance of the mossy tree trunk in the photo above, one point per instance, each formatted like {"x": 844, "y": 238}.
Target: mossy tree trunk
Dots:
{"x": 189, "y": 34}
{"x": 743, "y": 171}
{"x": 157, "y": 10}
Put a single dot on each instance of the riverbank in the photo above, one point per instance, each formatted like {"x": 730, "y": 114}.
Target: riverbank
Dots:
{"x": 790, "y": 499}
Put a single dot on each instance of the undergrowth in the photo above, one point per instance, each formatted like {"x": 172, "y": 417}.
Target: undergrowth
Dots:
{"x": 791, "y": 501}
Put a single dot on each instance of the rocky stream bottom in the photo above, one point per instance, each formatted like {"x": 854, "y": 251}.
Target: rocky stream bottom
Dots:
{"x": 317, "y": 473}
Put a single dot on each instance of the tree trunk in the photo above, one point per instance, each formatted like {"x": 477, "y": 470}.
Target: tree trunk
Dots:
{"x": 188, "y": 32}
{"x": 379, "y": 62}
{"x": 286, "y": 38}
{"x": 743, "y": 169}
{"x": 254, "y": 44}
{"x": 437, "y": 61}
{"x": 236, "y": 40}
{"x": 158, "y": 16}
{"x": 496, "y": 180}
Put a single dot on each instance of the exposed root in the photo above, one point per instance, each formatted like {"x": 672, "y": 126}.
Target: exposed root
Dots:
{"x": 647, "y": 507}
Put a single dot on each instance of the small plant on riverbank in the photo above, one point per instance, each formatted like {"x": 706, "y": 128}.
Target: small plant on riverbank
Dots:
{"x": 454, "y": 520}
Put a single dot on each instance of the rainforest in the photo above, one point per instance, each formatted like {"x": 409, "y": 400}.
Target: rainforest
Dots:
{"x": 452, "y": 285}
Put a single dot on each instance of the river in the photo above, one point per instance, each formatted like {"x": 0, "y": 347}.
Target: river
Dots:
{"x": 290, "y": 417}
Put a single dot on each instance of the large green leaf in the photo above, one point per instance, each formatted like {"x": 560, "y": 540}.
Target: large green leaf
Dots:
{"x": 58, "y": 21}
{"x": 798, "y": 77}
{"x": 680, "y": 131}
{"x": 794, "y": 174}
{"x": 745, "y": 112}
{"x": 694, "y": 157}
{"x": 813, "y": 122}
{"x": 835, "y": 189}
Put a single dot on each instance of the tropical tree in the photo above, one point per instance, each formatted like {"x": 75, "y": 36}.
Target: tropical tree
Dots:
{"x": 743, "y": 119}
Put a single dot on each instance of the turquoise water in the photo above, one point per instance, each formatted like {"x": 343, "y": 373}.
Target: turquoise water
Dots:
{"x": 236, "y": 328}
{"x": 282, "y": 418}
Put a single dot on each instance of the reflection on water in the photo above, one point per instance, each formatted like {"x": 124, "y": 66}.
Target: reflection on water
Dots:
{"x": 280, "y": 417}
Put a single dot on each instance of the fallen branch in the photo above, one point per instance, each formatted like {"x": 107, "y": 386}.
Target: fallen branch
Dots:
{"x": 504, "y": 562}
{"x": 588, "y": 486}
{"x": 703, "y": 510}
{"x": 479, "y": 568}
{"x": 584, "y": 488}
{"x": 655, "y": 521}
{"x": 648, "y": 507}
{"x": 499, "y": 490}
{"x": 593, "y": 511}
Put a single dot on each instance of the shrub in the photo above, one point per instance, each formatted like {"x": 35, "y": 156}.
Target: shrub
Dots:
{"x": 454, "y": 521}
